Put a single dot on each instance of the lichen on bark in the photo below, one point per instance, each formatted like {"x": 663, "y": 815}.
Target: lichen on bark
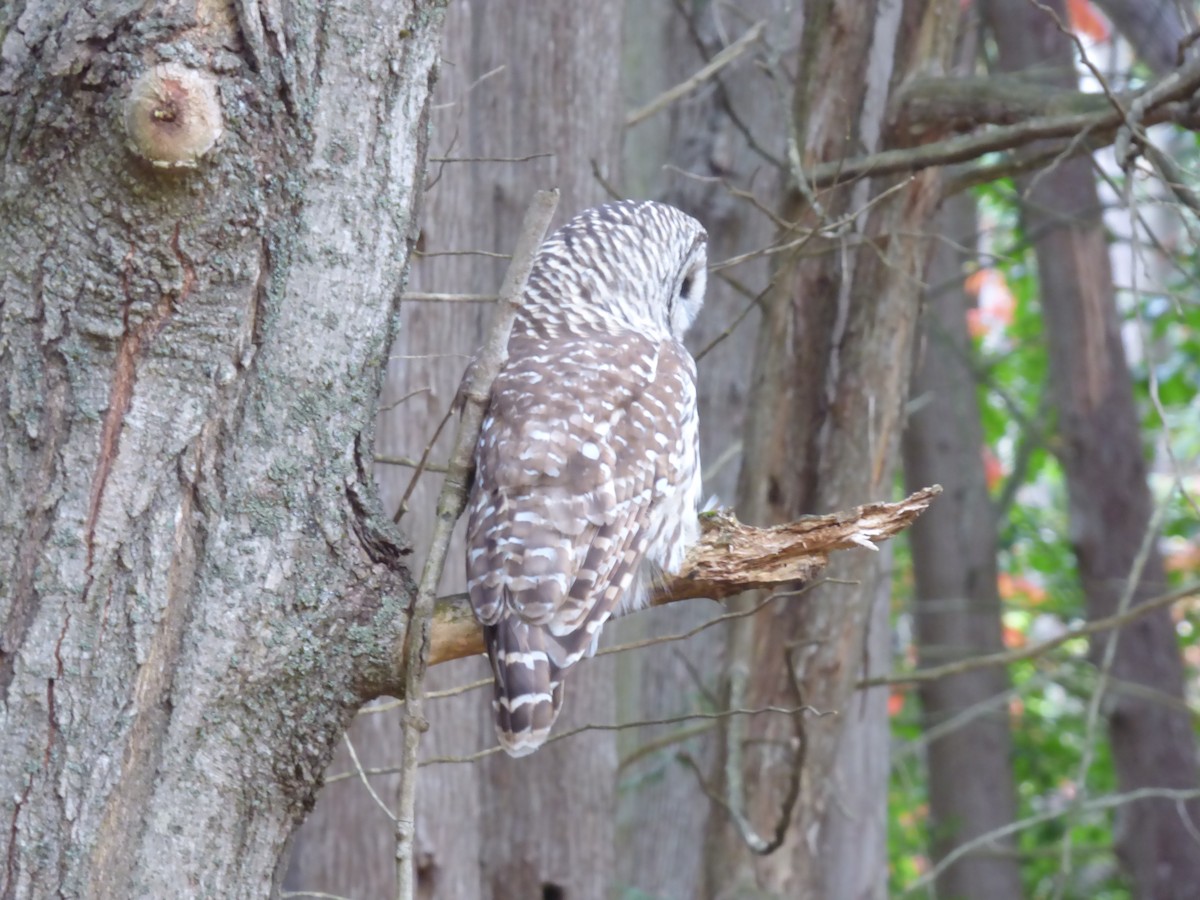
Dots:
{"x": 198, "y": 588}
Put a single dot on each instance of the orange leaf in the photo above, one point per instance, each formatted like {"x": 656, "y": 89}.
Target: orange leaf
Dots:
{"x": 995, "y": 301}
{"x": 1185, "y": 559}
{"x": 1033, "y": 591}
{"x": 1087, "y": 21}
{"x": 993, "y": 469}
{"x": 1005, "y": 586}
{"x": 973, "y": 283}
{"x": 976, "y": 327}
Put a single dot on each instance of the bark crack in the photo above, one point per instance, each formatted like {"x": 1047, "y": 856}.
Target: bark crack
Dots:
{"x": 11, "y": 864}
{"x": 133, "y": 342}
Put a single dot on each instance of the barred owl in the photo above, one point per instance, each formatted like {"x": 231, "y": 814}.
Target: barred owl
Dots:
{"x": 588, "y": 465}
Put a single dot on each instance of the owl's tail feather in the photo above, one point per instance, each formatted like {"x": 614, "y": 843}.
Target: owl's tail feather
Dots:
{"x": 528, "y": 686}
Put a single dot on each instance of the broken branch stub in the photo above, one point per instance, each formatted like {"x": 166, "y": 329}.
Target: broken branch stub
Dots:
{"x": 731, "y": 557}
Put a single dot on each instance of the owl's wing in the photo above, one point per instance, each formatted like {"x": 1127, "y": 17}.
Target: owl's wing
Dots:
{"x": 580, "y": 441}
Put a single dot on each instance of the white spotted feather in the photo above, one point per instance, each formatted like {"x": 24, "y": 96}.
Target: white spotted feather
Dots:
{"x": 587, "y": 469}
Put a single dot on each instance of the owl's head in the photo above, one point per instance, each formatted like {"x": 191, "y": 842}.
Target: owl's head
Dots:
{"x": 634, "y": 264}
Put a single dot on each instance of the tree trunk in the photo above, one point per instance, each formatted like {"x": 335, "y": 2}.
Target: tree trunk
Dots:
{"x": 511, "y": 87}
{"x": 662, "y": 814}
{"x": 198, "y": 590}
{"x": 1110, "y": 506}
{"x": 831, "y": 374}
{"x": 1157, "y": 29}
{"x": 971, "y": 790}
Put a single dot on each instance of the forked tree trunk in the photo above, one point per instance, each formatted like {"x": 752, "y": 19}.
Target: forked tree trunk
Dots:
{"x": 1110, "y": 506}
{"x": 197, "y": 587}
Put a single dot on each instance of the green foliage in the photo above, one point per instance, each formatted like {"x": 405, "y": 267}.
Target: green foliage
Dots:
{"x": 1039, "y": 580}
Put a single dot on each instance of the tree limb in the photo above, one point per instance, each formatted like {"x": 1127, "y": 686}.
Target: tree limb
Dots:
{"x": 1167, "y": 99}
{"x": 730, "y": 558}
{"x": 1029, "y": 651}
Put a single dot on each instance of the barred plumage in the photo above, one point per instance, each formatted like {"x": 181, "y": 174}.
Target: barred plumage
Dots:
{"x": 587, "y": 470}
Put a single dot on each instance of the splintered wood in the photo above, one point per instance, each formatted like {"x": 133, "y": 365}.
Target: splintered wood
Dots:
{"x": 731, "y": 557}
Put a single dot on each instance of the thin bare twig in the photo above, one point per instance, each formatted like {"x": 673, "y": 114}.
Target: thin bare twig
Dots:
{"x": 1098, "y": 805}
{"x": 430, "y": 254}
{"x": 1009, "y": 657}
{"x": 414, "y": 648}
{"x": 726, "y": 104}
{"x": 662, "y": 742}
{"x": 402, "y": 506}
{"x": 734, "y": 803}
{"x": 491, "y": 73}
{"x": 409, "y": 463}
{"x": 715, "y": 65}
{"x": 737, "y": 320}
{"x": 481, "y": 159}
{"x": 389, "y": 407}
{"x": 363, "y": 777}
{"x": 621, "y": 726}
{"x": 428, "y": 297}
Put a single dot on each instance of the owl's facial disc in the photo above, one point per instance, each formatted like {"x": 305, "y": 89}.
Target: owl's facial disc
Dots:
{"x": 689, "y": 292}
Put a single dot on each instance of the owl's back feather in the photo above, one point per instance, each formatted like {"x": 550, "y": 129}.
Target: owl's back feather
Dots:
{"x": 588, "y": 457}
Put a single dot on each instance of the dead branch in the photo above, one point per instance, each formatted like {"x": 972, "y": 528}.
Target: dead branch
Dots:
{"x": 1166, "y": 100}
{"x": 730, "y": 558}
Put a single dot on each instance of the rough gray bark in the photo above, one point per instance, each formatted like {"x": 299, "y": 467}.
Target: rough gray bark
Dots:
{"x": 197, "y": 589}
{"x": 831, "y": 373}
{"x": 854, "y": 826}
{"x": 499, "y": 828}
{"x": 1109, "y": 501}
{"x": 971, "y": 790}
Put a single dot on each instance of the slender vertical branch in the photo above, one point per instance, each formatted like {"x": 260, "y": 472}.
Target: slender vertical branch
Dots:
{"x": 452, "y": 500}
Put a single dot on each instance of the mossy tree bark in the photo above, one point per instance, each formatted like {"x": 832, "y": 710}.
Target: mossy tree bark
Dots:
{"x": 196, "y": 588}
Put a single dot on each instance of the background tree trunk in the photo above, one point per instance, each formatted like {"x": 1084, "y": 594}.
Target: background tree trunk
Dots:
{"x": 513, "y": 85}
{"x": 831, "y": 374}
{"x": 198, "y": 590}
{"x": 1110, "y": 506}
{"x": 663, "y": 815}
{"x": 971, "y": 790}
{"x": 1157, "y": 29}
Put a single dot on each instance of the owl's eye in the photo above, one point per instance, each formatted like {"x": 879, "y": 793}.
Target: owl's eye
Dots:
{"x": 685, "y": 289}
